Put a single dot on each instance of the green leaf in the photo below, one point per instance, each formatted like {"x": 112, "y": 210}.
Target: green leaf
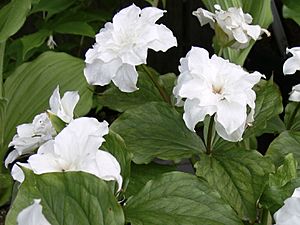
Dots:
{"x": 287, "y": 142}
{"x": 75, "y": 27}
{"x": 12, "y": 17}
{"x": 148, "y": 92}
{"x": 5, "y": 188}
{"x": 178, "y": 198}
{"x": 71, "y": 198}
{"x": 291, "y": 10}
{"x": 141, "y": 174}
{"x": 156, "y": 130}
{"x": 268, "y": 104}
{"x": 259, "y": 10}
{"x": 239, "y": 176}
{"x": 30, "y": 86}
{"x": 57, "y": 123}
{"x": 115, "y": 145}
{"x": 52, "y": 7}
{"x": 292, "y": 116}
{"x": 34, "y": 40}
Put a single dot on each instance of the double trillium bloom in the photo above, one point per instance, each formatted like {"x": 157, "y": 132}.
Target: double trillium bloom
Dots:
{"x": 123, "y": 44}
{"x": 75, "y": 148}
{"x": 234, "y": 23}
{"x": 32, "y": 215}
{"x": 30, "y": 136}
{"x": 216, "y": 86}
{"x": 289, "y": 214}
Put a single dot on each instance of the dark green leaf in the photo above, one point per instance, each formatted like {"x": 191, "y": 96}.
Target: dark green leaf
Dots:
{"x": 71, "y": 198}
{"x": 156, "y": 130}
{"x": 239, "y": 176}
{"x": 75, "y": 27}
{"x": 178, "y": 198}
{"x": 12, "y": 17}
{"x": 291, "y": 9}
{"x": 30, "y": 86}
{"x": 141, "y": 174}
{"x": 292, "y": 116}
{"x": 5, "y": 187}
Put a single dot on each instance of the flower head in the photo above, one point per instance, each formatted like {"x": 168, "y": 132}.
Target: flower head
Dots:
{"x": 292, "y": 64}
{"x": 289, "y": 214}
{"x": 123, "y": 44}
{"x": 30, "y": 136}
{"x": 216, "y": 86}
{"x": 234, "y": 23}
{"x": 51, "y": 43}
{"x": 63, "y": 107}
{"x": 75, "y": 148}
{"x": 32, "y": 215}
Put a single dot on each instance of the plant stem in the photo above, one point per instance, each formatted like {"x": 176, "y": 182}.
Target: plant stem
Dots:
{"x": 2, "y": 50}
{"x": 220, "y": 52}
{"x": 290, "y": 123}
{"x": 209, "y": 136}
{"x": 159, "y": 87}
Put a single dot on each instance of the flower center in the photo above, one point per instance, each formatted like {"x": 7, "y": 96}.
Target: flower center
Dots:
{"x": 217, "y": 89}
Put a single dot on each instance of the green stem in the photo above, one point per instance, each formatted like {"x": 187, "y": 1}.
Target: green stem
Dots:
{"x": 290, "y": 123}
{"x": 220, "y": 52}
{"x": 209, "y": 136}
{"x": 159, "y": 87}
{"x": 2, "y": 50}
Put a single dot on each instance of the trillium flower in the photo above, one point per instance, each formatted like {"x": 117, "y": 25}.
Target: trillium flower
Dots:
{"x": 51, "y": 43}
{"x": 75, "y": 148}
{"x": 216, "y": 86}
{"x": 32, "y": 215}
{"x": 63, "y": 107}
{"x": 30, "y": 136}
{"x": 289, "y": 214}
{"x": 234, "y": 23}
{"x": 123, "y": 44}
{"x": 292, "y": 64}
{"x": 295, "y": 94}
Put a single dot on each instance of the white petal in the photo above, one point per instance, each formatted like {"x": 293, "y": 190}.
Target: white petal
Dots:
{"x": 165, "y": 39}
{"x": 204, "y": 16}
{"x": 126, "y": 16}
{"x": 295, "y": 94}
{"x": 12, "y": 156}
{"x": 25, "y": 130}
{"x": 54, "y": 101}
{"x": 235, "y": 136}
{"x": 240, "y": 35}
{"x": 126, "y": 78}
{"x": 100, "y": 73}
{"x": 17, "y": 173}
{"x": 253, "y": 31}
{"x": 32, "y": 215}
{"x": 151, "y": 14}
{"x": 44, "y": 163}
{"x": 68, "y": 102}
{"x": 291, "y": 65}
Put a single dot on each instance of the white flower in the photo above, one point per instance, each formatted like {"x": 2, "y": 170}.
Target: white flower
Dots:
{"x": 292, "y": 64}
{"x": 234, "y": 22}
{"x": 216, "y": 86}
{"x": 30, "y": 136}
{"x": 51, "y": 43}
{"x": 295, "y": 93}
{"x": 63, "y": 107}
{"x": 123, "y": 44}
{"x": 289, "y": 214}
{"x": 75, "y": 148}
{"x": 32, "y": 215}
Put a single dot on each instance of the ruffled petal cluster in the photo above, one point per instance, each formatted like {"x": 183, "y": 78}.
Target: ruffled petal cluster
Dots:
{"x": 292, "y": 64}
{"x": 123, "y": 43}
{"x": 32, "y": 215}
{"x": 215, "y": 86}
{"x": 289, "y": 214}
{"x": 234, "y": 22}
{"x": 75, "y": 148}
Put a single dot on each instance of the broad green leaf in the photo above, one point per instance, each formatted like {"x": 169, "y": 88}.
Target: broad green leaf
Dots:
{"x": 51, "y": 7}
{"x": 71, "y": 198}
{"x": 3, "y": 107}
{"x": 34, "y": 40}
{"x": 178, "y": 198}
{"x": 141, "y": 174}
{"x": 30, "y": 86}
{"x": 239, "y": 176}
{"x": 287, "y": 142}
{"x": 148, "y": 92}
{"x": 75, "y": 27}
{"x": 5, "y": 187}
{"x": 291, "y": 9}
{"x": 12, "y": 17}
{"x": 156, "y": 130}
{"x": 115, "y": 145}
{"x": 292, "y": 116}
{"x": 259, "y": 10}
{"x": 268, "y": 104}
